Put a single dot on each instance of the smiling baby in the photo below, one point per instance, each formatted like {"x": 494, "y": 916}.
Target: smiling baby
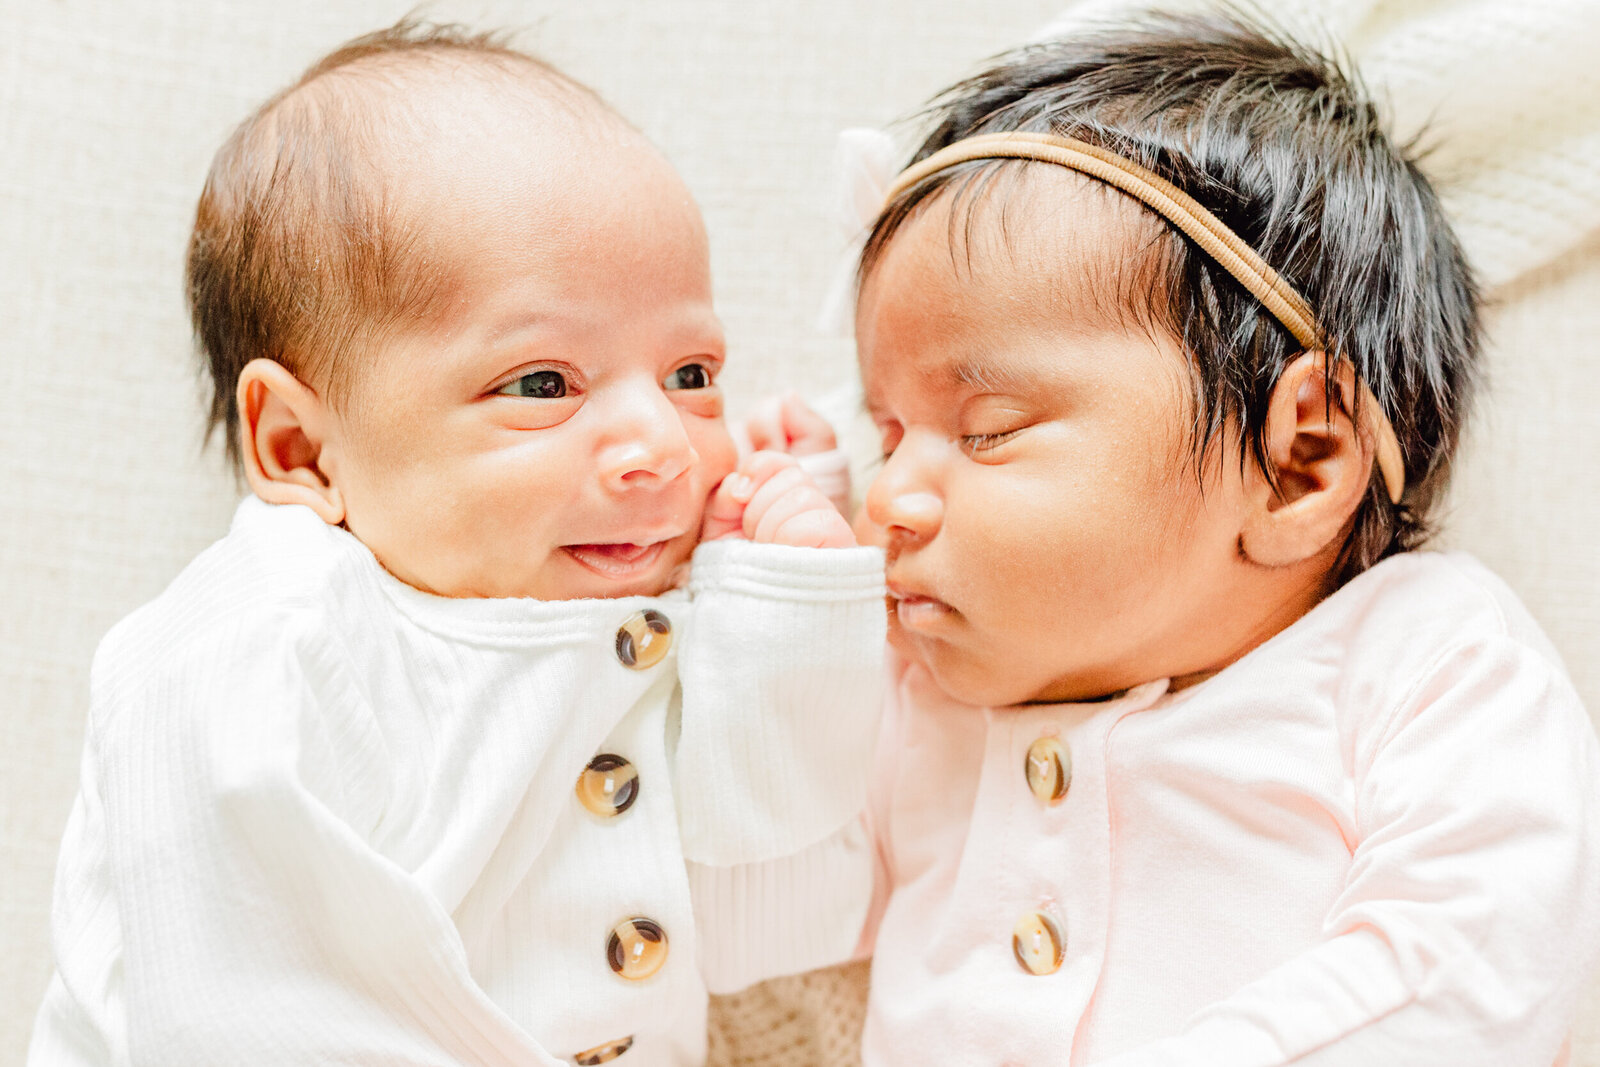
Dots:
{"x": 435, "y": 758}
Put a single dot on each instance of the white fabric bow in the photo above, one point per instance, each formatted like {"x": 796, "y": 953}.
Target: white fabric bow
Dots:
{"x": 863, "y": 168}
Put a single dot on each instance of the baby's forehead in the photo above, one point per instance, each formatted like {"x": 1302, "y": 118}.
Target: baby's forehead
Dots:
{"x": 403, "y": 111}
{"x": 1040, "y": 241}
{"x": 441, "y": 151}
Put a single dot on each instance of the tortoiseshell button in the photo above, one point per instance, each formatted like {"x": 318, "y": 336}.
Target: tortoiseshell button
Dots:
{"x": 604, "y": 1053}
{"x": 1049, "y": 769}
{"x": 636, "y": 948}
{"x": 643, "y": 639}
{"x": 608, "y": 785}
{"x": 1038, "y": 943}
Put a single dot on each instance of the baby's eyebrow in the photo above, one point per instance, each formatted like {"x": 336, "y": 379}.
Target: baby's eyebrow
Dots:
{"x": 982, "y": 374}
{"x": 985, "y": 375}
{"x": 512, "y": 327}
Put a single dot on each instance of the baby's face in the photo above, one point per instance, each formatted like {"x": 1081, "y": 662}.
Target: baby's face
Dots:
{"x": 1047, "y": 534}
{"x": 558, "y": 435}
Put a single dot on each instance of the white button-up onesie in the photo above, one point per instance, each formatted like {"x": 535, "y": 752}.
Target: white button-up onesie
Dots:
{"x": 326, "y": 818}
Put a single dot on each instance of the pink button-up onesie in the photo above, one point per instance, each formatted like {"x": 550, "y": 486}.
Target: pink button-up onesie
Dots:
{"x": 1373, "y": 841}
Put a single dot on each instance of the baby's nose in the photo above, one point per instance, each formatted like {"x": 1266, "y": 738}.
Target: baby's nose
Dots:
{"x": 642, "y": 462}
{"x": 902, "y": 501}
{"x": 915, "y": 510}
{"x": 916, "y": 515}
{"x": 903, "y": 513}
{"x": 645, "y": 442}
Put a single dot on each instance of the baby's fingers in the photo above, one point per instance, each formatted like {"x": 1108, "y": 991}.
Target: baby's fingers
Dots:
{"x": 790, "y": 510}
{"x": 774, "y": 492}
{"x": 787, "y": 424}
{"x": 806, "y": 433}
{"x": 762, "y": 429}
{"x": 759, "y": 468}
{"x": 724, "y": 514}
{"x": 815, "y": 527}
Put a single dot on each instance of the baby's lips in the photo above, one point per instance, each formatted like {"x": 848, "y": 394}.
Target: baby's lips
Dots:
{"x": 618, "y": 561}
{"x": 620, "y": 552}
{"x": 900, "y": 590}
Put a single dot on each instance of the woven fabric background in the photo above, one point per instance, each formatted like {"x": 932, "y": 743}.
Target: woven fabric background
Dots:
{"x": 109, "y": 113}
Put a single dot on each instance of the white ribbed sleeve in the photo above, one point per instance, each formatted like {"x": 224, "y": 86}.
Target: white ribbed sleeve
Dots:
{"x": 84, "y": 1016}
{"x": 788, "y": 915}
{"x": 775, "y": 752}
{"x": 781, "y": 677}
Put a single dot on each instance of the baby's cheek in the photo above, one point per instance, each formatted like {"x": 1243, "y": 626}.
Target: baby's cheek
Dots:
{"x": 714, "y": 445}
{"x": 1015, "y": 564}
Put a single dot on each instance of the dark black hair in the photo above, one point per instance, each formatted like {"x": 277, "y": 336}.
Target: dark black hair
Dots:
{"x": 1285, "y": 147}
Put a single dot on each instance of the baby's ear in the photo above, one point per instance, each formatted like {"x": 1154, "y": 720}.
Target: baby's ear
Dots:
{"x": 1323, "y": 462}
{"x": 283, "y": 429}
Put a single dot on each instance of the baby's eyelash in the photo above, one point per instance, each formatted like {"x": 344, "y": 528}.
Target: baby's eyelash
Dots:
{"x": 982, "y": 442}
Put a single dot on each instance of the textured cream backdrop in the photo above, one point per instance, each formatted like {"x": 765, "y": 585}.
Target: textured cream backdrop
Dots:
{"x": 110, "y": 110}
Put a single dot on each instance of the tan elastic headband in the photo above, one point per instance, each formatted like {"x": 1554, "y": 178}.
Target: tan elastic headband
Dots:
{"x": 1198, "y": 224}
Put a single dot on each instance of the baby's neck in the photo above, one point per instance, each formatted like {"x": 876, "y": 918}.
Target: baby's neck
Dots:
{"x": 1278, "y": 614}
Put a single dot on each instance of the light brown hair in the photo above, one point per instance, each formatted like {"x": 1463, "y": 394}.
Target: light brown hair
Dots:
{"x": 299, "y": 252}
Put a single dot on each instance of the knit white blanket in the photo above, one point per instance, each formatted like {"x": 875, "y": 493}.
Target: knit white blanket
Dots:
{"x": 1504, "y": 93}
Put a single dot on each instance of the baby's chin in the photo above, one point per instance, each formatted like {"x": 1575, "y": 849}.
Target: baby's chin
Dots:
{"x": 961, "y": 681}
{"x": 976, "y": 682}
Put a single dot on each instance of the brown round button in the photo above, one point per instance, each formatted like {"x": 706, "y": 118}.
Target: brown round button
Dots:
{"x": 1049, "y": 769}
{"x": 1038, "y": 942}
{"x": 608, "y": 785}
{"x": 637, "y": 948}
{"x": 604, "y": 1053}
{"x": 643, "y": 639}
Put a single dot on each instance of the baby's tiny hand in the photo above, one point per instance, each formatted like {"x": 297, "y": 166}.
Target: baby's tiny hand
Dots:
{"x": 770, "y": 500}
{"x": 787, "y": 424}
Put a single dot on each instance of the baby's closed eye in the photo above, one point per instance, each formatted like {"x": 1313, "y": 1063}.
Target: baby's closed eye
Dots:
{"x": 983, "y": 442}
{"x": 987, "y": 422}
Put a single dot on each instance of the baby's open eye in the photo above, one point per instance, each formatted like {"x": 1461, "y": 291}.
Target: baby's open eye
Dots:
{"x": 688, "y": 376}
{"x": 538, "y": 384}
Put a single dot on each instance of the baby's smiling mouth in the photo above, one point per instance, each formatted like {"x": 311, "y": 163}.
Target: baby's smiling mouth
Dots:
{"x": 619, "y": 560}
